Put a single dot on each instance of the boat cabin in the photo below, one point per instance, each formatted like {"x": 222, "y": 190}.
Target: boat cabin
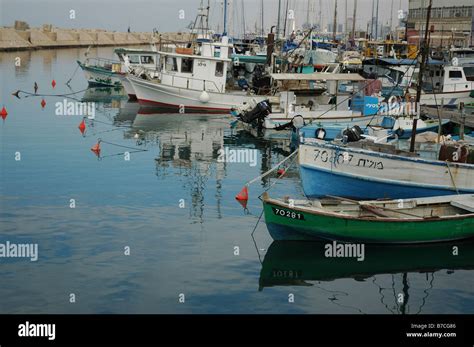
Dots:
{"x": 202, "y": 67}
{"x": 137, "y": 57}
{"x": 446, "y": 79}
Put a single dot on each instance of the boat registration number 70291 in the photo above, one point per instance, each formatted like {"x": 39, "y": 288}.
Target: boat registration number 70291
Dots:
{"x": 287, "y": 214}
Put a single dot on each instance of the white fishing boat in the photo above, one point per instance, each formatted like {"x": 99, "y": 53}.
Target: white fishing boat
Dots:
{"x": 133, "y": 58}
{"x": 445, "y": 86}
{"x": 279, "y": 112}
{"x": 191, "y": 78}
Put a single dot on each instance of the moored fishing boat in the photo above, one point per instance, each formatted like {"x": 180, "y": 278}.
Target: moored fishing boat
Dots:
{"x": 102, "y": 72}
{"x": 420, "y": 220}
{"x": 367, "y": 170}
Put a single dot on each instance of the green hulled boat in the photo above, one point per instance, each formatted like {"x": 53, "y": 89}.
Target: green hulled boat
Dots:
{"x": 293, "y": 263}
{"x": 422, "y": 220}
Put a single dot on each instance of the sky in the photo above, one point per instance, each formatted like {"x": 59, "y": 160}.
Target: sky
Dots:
{"x": 144, "y": 15}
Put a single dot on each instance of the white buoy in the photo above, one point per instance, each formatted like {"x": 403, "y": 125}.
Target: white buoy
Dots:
{"x": 204, "y": 97}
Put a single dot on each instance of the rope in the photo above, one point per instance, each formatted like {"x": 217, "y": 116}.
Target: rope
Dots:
{"x": 34, "y": 94}
{"x": 272, "y": 170}
{"x": 114, "y": 144}
{"x": 452, "y": 178}
{"x": 69, "y": 80}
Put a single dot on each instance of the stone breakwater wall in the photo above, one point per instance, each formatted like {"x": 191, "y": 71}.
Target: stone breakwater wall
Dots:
{"x": 12, "y": 39}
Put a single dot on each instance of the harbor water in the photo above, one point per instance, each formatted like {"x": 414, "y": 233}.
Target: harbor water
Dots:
{"x": 153, "y": 225}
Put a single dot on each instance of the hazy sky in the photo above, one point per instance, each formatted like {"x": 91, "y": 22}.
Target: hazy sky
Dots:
{"x": 144, "y": 15}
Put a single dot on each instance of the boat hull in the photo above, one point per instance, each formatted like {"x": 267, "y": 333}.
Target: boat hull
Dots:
{"x": 446, "y": 99}
{"x": 128, "y": 87}
{"x": 100, "y": 77}
{"x": 311, "y": 226}
{"x": 364, "y": 174}
{"x": 156, "y": 94}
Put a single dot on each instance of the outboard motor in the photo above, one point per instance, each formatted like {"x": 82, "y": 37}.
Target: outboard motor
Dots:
{"x": 260, "y": 111}
{"x": 353, "y": 134}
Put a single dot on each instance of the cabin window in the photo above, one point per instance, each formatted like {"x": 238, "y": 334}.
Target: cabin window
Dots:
{"x": 147, "y": 59}
{"x": 134, "y": 59}
{"x": 219, "y": 69}
{"x": 187, "y": 65}
{"x": 455, "y": 74}
{"x": 438, "y": 73}
{"x": 171, "y": 64}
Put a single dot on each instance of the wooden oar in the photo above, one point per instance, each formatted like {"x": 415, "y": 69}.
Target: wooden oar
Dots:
{"x": 373, "y": 206}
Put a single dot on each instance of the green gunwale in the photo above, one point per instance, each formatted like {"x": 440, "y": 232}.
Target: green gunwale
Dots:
{"x": 327, "y": 226}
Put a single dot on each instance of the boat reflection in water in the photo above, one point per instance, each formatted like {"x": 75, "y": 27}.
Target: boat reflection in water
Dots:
{"x": 296, "y": 263}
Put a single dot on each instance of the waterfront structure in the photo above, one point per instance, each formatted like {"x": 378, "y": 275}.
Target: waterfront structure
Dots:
{"x": 452, "y": 22}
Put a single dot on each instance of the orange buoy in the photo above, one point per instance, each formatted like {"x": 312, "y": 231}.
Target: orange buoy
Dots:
{"x": 96, "y": 149}
{"x": 281, "y": 172}
{"x": 53, "y": 83}
{"x": 4, "y": 113}
{"x": 243, "y": 195}
{"x": 43, "y": 103}
{"x": 82, "y": 127}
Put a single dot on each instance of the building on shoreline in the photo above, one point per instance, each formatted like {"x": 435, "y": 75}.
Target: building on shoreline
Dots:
{"x": 453, "y": 22}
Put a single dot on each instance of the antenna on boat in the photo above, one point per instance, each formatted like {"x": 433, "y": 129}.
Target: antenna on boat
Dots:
{"x": 335, "y": 23}
{"x": 424, "y": 57}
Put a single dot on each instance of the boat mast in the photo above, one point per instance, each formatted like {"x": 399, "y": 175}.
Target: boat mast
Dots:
{"x": 345, "y": 24}
{"x": 335, "y": 23}
{"x": 286, "y": 17}
{"x": 377, "y": 22}
{"x": 425, "y": 48}
{"x": 354, "y": 20}
{"x": 261, "y": 9}
{"x": 307, "y": 13}
{"x": 320, "y": 15}
{"x": 278, "y": 21}
{"x": 372, "y": 21}
{"x": 225, "y": 18}
{"x": 243, "y": 18}
{"x": 391, "y": 21}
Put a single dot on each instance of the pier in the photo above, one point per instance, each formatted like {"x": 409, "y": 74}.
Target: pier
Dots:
{"x": 22, "y": 37}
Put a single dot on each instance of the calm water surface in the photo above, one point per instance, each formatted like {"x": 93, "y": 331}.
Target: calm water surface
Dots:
{"x": 173, "y": 206}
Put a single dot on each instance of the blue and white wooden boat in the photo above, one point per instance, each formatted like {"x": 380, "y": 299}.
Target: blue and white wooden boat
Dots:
{"x": 368, "y": 171}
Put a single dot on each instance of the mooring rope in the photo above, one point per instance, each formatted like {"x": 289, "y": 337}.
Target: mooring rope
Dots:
{"x": 114, "y": 144}
{"x": 272, "y": 170}
{"x": 58, "y": 95}
{"x": 452, "y": 178}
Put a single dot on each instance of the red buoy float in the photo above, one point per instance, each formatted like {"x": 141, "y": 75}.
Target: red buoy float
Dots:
{"x": 96, "y": 149}
{"x": 82, "y": 127}
{"x": 4, "y": 113}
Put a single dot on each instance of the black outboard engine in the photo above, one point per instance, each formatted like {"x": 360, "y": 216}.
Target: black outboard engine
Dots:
{"x": 353, "y": 134}
{"x": 259, "y": 112}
